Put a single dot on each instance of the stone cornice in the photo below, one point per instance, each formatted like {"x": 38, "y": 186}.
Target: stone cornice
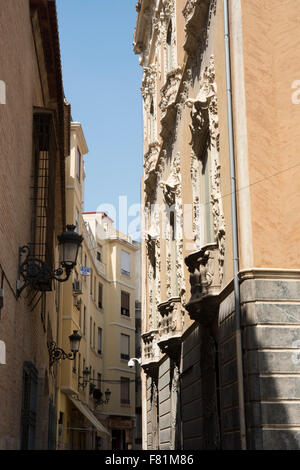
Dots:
{"x": 269, "y": 273}
{"x": 76, "y": 127}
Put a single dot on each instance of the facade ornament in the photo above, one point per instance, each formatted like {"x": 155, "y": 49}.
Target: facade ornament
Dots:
{"x": 149, "y": 81}
{"x": 206, "y": 135}
{"x": 170, "y": 89}
{"x": 197, "y": 14}
{"x": 183, "y": 93}
{"x": 170, "y": 327}
{"x": 205, "y": 284}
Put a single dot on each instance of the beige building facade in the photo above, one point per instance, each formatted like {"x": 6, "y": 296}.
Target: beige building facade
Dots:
{"x": 99, "y": 301}
{"x": 219, "y": 304}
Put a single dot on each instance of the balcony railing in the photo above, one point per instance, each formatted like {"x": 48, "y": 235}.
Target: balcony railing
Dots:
{"x": 205, "y": 284}
{"x": 150, "y": 356}
{"x": 170, "y": 327}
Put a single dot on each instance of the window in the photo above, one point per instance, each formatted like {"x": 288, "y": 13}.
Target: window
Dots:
{"x": 43, "y": 188}
{"x": 91, "y": 331}
{"x": 169, "y": 51}
{"x": 205, "y": 198}
{"x": 77, "y": 220}
{"x": 125, "y": 303}
{"x": 152, "y": 122}
{"x": 84, "y": 320}
{"x": 99, "y": 379}
{"x": 125, "y": 391}
{"x": 125, "y": 347}
{"x": 125, "y": 263}
{"x": 29, "y": 405}
{"x": 100, "y": 292}
{"x": 78, "y": 164}
{"x": 99, "y": 254}
{"x": 99, "y": 340}
{"x": 79, "y": 364}
{"x": 94, "y": 336}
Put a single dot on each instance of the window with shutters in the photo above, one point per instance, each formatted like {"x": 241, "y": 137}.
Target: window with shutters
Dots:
{"x": 125, "y": 391}
{"x": 125, "y": 303}
{"x": 125, "y": 263}
{"x": 125, "y": 347}
{"x": 29, "y": 406}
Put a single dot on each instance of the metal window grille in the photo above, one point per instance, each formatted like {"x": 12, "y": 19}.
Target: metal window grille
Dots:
{"x": 29, "y": 406}
{"x": 52, "y": 426}
{"x": 43, "y": 186}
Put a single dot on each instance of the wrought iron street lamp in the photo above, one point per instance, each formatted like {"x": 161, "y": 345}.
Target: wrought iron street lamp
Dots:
{"x": 97, "y": 396}
{"x": 36, "y": 273}
{"x": 57, "y": 354}
{"x": 86, "y": 378}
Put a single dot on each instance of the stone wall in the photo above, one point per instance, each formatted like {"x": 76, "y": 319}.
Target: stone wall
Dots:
{"x": 271, "y": 336}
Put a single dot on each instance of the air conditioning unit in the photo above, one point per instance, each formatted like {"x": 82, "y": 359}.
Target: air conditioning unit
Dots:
{"x": 77, "y": 287}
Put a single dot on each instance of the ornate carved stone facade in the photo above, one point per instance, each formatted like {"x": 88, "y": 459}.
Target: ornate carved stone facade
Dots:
{"x": 188, "y": 98}
{"x": 228, "y": 331}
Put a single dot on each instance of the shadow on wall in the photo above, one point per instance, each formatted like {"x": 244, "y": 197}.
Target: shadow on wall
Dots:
{"x": 272, "y": 380}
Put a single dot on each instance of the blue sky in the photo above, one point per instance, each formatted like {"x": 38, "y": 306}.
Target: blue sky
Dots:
{"x": 102, "y": 79}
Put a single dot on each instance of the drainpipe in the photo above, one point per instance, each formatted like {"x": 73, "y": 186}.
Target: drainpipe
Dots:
{"x": 239, "y": 348}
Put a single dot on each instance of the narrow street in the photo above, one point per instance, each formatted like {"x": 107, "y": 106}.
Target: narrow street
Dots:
{"x": 149, "y": 228}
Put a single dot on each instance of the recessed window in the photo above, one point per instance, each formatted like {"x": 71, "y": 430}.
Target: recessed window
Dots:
{"x": 99, "y": 340}
{"x": 125, "y": 391}
{"x": 125, "y": 263}
{"x": 78, "y": 164}
{"x": 125, "y": 303}
{"x": 125, "y": 347}
{"x": 99, "y": 253}
{"x": 169, "y": 51}
{"x": 100, "y": 294}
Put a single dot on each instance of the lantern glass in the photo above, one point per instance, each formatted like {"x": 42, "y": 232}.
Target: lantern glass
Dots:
{"x": 107, "y": 394}
{"x": 69, "y": 243}
{"x": 68, "y": 254}
{"x": 75, "y": 341}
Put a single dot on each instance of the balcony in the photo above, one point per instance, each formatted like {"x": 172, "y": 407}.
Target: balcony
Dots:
{"x": 150, "y": 356}
{"x": 205, "y": 282}
{"x": 101, "y": 267}
{"x": 170, "y": 327}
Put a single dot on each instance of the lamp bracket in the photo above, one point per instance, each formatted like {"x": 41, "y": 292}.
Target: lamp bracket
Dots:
{"x": 57, "y": 354}
{"x": 36, "y": 273}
